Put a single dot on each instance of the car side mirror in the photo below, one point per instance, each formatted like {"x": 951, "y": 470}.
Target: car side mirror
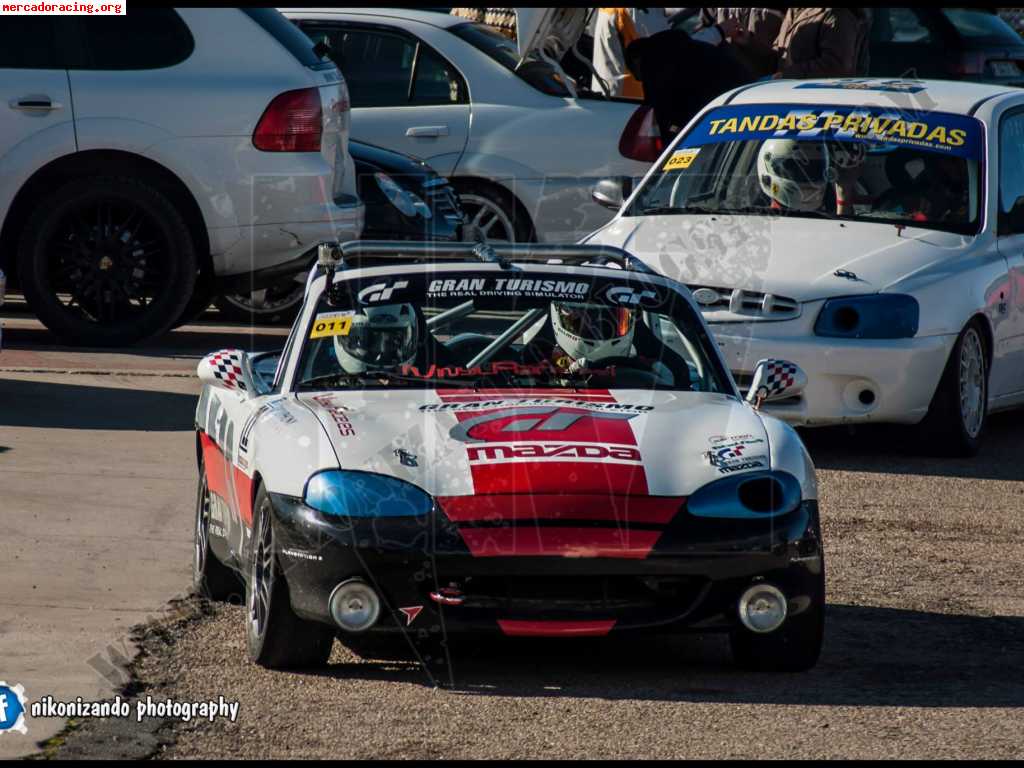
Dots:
{"x": 775, "y": 380}
{"x": 228, "y": 369}
{"x": 612, "y": 192}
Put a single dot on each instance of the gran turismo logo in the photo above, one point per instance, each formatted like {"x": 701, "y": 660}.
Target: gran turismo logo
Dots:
{"x": 628, "y": 297}
{"x": 12, "y": 708}
{"x": 380, "y": 292}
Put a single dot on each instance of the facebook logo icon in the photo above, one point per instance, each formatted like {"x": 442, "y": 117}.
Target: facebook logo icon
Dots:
{"x": 12, "y": 708}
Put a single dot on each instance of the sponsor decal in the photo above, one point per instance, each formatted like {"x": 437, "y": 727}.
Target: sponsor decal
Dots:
{"x": 12, "y": 708}
{"x": 338, "y": 414}
{"x": 507, "y": 286}
{"x": 405, "y": 458}
{"x": 681, "y": 158}
{"x": 380, "y": 293}
{"x": 931, "y": 131}
{"x": 541, "y": 369}
{"x": 716, "y": 439}
{"x": 752, "y": 462}
{"x": 525, "y": 421}
{"x": 553, "y": 452}
{"x": 300, "y": 555}
{"x": 529, "y": 401}
{"x": 625, "y": 296}
{"x": 226, "y": 365}
{"x": 888, "y": 86}
{"x": 329, "y": 324}
{"x": 273, "y": 408}
{"x": 411, "y": 612}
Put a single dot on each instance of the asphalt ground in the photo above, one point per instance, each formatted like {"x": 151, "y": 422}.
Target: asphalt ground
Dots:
{"x": 924, "y": 634}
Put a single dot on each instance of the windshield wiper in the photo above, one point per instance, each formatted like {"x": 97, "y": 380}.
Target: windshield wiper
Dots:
{"x": 369, "y": 377}
{"x": 659, "y": 210}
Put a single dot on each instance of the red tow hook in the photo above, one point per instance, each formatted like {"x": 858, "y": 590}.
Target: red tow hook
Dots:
{"x": 450, "y": 595}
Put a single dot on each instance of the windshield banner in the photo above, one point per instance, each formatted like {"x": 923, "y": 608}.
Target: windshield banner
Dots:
{"x": 932, "y": 131}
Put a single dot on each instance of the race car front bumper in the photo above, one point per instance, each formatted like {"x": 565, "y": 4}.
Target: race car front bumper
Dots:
{"x": 428, "y": 579}
{"x": 849, "y": 381}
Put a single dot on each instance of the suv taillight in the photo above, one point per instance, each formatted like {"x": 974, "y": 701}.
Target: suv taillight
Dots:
{"x": 293, "y": 122}
{"x": 641, "y": 139}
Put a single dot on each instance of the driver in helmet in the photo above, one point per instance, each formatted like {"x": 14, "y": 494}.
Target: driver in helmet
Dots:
{"x": 794, "y": 174}
{"x": 384, "y": 337}
{"x": 588, "y": 333}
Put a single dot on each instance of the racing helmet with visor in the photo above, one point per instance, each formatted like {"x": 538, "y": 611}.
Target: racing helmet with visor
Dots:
{"x": 592, "y": 331}
{"x": 378, "y": 337}
{"x": 794, "y": 173}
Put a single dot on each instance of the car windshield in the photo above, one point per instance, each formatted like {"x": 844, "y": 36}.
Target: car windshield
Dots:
{"x": 534, "y": 70}
{"x": 921, "y": 169}
{"x": 507, "y": 330}
{"x": 980, "y": 26}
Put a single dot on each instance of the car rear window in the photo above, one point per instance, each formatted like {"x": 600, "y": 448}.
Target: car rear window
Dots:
{"x": 536, "y": 72}
{"x": 144, "y": 38}
{"x": 982, "y": 26}
{"x": 288, "y": 35}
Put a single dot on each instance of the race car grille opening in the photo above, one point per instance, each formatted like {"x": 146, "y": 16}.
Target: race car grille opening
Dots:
{"x": 752, "y": 304}
{"x": 525, "y": 595}
{"x": 762, "y": 494}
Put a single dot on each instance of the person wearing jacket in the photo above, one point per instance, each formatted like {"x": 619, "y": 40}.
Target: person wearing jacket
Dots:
{"x": 681, "y": 75}
{"x": 812, "y": 42}
{"x": 614, "y": 30}
{"x": 719, "y": 25}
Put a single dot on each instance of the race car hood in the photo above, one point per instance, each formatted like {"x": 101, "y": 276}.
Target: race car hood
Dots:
{"x": 793, "y": 257}
{"x": 602, "y": 442}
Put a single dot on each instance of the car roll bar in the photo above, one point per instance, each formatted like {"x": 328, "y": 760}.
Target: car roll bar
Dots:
{"x": 360, "y": 253}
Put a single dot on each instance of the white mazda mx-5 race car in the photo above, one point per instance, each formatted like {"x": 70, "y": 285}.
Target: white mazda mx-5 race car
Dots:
{"x": 528, "y": 440}
{"x": 871, "y": 231}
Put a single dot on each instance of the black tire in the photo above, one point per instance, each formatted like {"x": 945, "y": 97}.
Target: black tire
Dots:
{"x": 119, "y": 248}
{"x": 200, "y": 301}
{"x": 210, "y": 577}
{"x": 947, "y": 430}
{"x": 276, "y": 637}
{"x": 474, "y": 195}
{"x": 284, "y": 300}
{"x": 794, "y": 647}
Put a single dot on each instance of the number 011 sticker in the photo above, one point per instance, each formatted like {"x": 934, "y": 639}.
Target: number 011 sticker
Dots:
{"x": 682, "y": 158}
{"x": 331, "y": 324}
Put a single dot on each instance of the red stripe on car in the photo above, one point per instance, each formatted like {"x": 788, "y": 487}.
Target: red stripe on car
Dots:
{"x": 529, "y": 541}
{"x": 560, "y": 506}
{"x": 556, "y": 628}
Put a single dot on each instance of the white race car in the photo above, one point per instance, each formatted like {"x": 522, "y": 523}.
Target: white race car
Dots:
{"x": 460, "y": 439}
{"x": 871, "y": 231}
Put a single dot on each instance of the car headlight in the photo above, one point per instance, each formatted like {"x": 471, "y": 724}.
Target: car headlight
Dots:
{"x": 408, "y": 203}
{"x": 749, "y": 495}
{"x": 875, "y": 316}
{"x": 364, "y": 494}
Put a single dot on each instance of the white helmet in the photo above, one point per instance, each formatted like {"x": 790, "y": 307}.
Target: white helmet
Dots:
{"x": 592, "y": 331}
{"x": 379, "y": 337}
{"x": 794, "y": 173}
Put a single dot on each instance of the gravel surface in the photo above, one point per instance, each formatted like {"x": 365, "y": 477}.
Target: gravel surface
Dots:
{"x": 922, "y": 659}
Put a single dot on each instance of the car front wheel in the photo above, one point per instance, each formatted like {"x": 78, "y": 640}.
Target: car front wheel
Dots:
{"x": 958, "y": 412}
{"x": 277, "y": 638}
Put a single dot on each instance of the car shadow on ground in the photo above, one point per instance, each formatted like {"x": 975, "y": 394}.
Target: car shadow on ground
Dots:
{"x": 50, "y": 405}
{"x": 894, "y": 449}
{"x": 872, "y": 657}
{"x": 194, "y": 340}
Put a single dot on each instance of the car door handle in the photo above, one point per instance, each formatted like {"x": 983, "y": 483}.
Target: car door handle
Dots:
{"x": 428, "y": 130}
{"x": 34, "y": 104}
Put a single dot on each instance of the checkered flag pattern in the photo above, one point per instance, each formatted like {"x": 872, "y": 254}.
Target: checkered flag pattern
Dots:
{"x": 227, "y": 366}
{"x": 780, "y": 375}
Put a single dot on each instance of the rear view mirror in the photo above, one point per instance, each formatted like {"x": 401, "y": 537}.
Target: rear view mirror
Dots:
{"x": 227, "y": 369}
{"x": 775, "y": 380}
{"x": 612, "y": 192}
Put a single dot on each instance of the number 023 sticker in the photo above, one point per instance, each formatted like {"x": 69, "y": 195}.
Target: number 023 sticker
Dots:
{"x": 682, "y": 158}
{"x": 331, "y": 324}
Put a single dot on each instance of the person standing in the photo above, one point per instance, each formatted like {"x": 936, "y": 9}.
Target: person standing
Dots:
{"x": 812, "y": 42}
{"x": 720, "y": 25}
{"x": 681, "y": 75}
{"x": 614, "y": 30}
